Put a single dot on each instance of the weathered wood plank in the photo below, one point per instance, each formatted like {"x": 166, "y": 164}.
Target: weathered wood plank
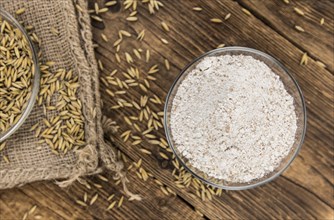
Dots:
{"x": 154, "y": 204}
{"x": 317, "y": 40}
{"x": 19, "y": 201}
{"x": 56, "y": 203}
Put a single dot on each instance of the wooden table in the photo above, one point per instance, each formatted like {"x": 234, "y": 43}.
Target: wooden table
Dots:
{"x": 304, "y": 191}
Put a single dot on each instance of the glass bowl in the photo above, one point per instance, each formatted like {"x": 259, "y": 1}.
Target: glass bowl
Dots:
{"x": 35, "y": 80}
{"x": 290, "y": 85}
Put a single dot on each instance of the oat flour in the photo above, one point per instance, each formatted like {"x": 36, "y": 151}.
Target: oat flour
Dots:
{"x": 233, "y": 119}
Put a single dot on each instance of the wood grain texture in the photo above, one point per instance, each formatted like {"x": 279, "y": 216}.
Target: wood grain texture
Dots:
{"x": 304, "y": 191}
{"x": 317, "y": 40}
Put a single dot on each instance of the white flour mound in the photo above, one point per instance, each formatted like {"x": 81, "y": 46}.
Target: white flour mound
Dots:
{"x": 233, "y": 119}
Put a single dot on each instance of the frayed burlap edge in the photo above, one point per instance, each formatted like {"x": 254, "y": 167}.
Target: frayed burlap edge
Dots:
{"x": 87, "y": 81}
{"x": 106, "y": 152}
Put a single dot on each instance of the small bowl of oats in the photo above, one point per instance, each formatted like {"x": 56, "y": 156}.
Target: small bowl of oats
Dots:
{"x": 19, "y": 75}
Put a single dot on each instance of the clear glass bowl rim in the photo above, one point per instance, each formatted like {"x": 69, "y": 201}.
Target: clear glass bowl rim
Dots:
{"x": 234, "y": 49}
{"x": 35, "y": 89}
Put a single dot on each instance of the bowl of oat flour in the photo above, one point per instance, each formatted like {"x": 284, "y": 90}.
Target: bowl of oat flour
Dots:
{"x": 235, "y": 118}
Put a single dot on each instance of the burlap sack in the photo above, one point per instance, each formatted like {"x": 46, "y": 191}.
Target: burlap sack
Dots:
{"x": 72, "y": 49}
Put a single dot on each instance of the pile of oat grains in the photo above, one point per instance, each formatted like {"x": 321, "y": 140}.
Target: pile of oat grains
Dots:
{"x": 58, "y": 92}
{"x": 16, "y": 74}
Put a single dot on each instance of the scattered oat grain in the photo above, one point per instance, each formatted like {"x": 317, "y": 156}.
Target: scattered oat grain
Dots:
{"x": 165, "y": 26}
{"x": 299, "y": 28}
{"x": 216, "y": 20}
{"x": 298, "y": 11}
{"x": 244, "y": 10}
{"x": 197, "y": 9}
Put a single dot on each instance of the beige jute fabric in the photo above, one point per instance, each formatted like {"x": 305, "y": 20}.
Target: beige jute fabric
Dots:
{"x": 71, "y": 49}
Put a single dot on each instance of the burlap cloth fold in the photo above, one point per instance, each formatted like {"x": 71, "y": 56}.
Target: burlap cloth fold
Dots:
{"x": 71, "y": 49}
